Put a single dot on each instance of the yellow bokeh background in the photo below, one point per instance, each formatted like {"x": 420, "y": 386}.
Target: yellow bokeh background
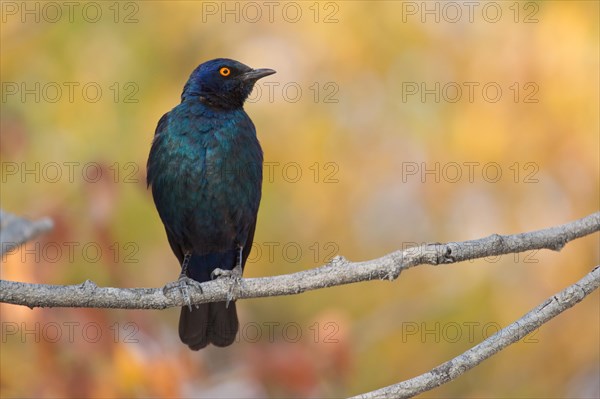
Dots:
{"x": 388, "y": 124}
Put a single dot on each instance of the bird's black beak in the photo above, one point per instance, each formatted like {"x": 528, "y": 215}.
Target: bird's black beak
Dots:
{"x": 256, "y": 74}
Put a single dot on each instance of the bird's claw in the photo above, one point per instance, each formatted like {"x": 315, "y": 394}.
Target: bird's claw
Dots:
{"x": 235, "y": 277}
{"x": 182, "y": 284}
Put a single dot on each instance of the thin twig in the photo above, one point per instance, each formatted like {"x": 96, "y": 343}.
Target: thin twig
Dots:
{"x": 15, "y": 231}
{"x": 454, "y": 368}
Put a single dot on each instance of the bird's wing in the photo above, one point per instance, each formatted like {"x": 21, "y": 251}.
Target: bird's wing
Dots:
{"x": 178, "y": 177}
{"x": 152, "y": 168}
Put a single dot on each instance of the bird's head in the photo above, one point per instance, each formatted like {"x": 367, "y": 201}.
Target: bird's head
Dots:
{"x": 222, "y": 83}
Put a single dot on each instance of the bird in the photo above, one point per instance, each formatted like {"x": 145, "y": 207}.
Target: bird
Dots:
{"x": 205, "y": 173}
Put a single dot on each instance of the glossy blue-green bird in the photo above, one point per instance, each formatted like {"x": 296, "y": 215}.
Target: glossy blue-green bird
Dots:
{"x": 205, "y": 169}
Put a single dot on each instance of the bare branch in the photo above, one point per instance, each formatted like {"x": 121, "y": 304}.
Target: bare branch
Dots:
{"x": 15, "y": 231}
{"x": 454, "y": 368}
{"x": 338, "y": 272}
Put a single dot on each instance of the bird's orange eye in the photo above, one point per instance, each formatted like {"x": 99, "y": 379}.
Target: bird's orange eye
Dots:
{"x": 225, "y": 71}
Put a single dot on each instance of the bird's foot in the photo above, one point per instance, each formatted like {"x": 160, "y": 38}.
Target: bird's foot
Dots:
{"x": 182, "y": 284}
{"x": 235, "y": 277}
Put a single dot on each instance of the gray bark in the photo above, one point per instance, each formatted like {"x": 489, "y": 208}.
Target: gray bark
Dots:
{"x": 338, "y": 272}
{"x": 15, "y": 231}
{"x": 454, "y": 368}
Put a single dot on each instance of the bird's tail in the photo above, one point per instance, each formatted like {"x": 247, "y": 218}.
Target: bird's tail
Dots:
{"x": 215, "y": 322}
{"x": 208, "y": 323}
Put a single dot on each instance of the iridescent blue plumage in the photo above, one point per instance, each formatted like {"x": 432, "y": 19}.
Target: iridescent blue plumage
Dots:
{"x": 205, "y": 169}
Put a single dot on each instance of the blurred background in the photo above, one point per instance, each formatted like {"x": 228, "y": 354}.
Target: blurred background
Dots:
{"x": 387, "y": 125}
